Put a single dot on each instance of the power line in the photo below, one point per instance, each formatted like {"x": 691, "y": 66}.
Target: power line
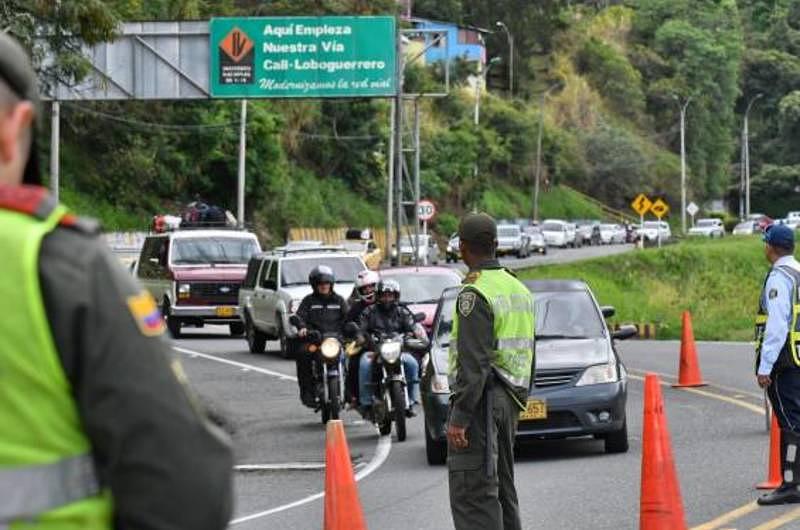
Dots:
{"x": 152, "y": 125}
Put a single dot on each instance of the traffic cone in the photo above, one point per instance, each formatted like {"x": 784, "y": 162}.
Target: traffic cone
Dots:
{"x": 660, "y": 505}
{"x": 774, "y": 478}
{"x": 342, "y": 506}
{"x": 689, "y": 371}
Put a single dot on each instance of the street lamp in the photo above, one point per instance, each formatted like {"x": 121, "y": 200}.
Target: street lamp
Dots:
{"x": 478, "y": 81}
{"x": 539, "y": 151}
{"x": 745, "y": 181}
{"x": 682, "y": 108}
{"x": 500, "y": 24}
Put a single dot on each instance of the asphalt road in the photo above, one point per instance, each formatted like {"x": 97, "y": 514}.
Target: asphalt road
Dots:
{"x": 718, "y": 438}
{"x": 559, "y": 255}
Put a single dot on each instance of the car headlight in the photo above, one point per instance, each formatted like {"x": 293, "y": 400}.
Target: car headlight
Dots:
{"x": 294, "y": 305}
{"x": 330, "y": 348}
{"x": 440, "y": 384}
{"x": 390, "y": 352}
{"x": 184, "y": 290}
{"x": 601, "y": 373}
{"x": 394, "y": 252}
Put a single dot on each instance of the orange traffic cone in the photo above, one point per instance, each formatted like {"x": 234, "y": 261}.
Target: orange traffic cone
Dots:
{"x": 660, "y": 505}
{"x": 774, "y": 478}
{"x": 342, "y": 507}
{"x": 689, "y": 372}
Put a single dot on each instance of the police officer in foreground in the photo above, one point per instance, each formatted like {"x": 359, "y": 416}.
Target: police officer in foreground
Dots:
{"x": 323, "y": 310}
{"x": 97, "y": 429}
{"x": 778, "y": 355}
{"x": 491, "y": 360}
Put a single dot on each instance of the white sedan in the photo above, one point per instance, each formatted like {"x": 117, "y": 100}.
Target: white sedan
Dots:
{"x": 708, "y": 228}
{"x": 611, "y": 233}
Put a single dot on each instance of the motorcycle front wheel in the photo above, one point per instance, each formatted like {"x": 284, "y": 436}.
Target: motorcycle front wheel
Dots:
{"x": 399, "y": 409}
{"x": 334, "y": 405}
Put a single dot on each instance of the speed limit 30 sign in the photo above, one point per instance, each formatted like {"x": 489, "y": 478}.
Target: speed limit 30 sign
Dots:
{"x": 426, "y": 210}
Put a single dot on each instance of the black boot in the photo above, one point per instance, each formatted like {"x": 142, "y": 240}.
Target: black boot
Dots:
{"x": 789, "y": 491}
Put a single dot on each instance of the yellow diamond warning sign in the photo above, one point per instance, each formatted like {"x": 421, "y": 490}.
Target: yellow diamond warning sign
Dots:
{"x": 659, "y": 208}
{"x": 641, "y": 204}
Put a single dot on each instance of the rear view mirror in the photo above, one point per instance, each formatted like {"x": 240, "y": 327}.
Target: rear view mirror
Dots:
{"x": 419, "y": 317}
{"x": 625, "y": 332}
{"x": 608, "y": 311}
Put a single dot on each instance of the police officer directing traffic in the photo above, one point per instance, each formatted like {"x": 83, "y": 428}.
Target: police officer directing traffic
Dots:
{"x": 778, "y": 355}
{"x": 491, "y": 359}
{"x": 97, "y": 429}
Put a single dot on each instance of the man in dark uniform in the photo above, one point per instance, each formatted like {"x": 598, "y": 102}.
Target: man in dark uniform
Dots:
{"x": 324, "y": 311}
{"x": 491, "y": 358}
{"x": 778, "y": 355}
{"x": 127, "y": 447}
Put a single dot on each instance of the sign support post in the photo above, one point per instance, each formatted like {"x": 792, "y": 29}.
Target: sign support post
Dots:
{"x": 241, "y": 176}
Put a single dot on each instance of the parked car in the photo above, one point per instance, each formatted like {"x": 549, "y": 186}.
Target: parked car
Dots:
{"x": 195, "y": 274}
{"x": 580, "y": 382}
{"x": 453, "y": 254}
{"x": 277, "y": 282}
{"x": 589, "y": 232}
{"x": 536, "y": 238}
{"x": 792, "y": 223}
{"x": 650, "y": 230}
{"x": 555, "y": 233}
{"x": 512, "y": 240}
{"x": 745, "y": 228}
{"x": 708, "y": 228}
{"x": 421, "y": 287}
{"x": 427, "y": 250}
{"x": 611, "y": 234}
{"x": 574, "y": 239}
{"x": 793, "y": 217}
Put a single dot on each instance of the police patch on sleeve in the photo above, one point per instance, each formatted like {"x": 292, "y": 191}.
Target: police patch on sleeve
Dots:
{"x": 466, "y": 303}
{"x": 773, "y": 293}
{"x": 146, "y": 314}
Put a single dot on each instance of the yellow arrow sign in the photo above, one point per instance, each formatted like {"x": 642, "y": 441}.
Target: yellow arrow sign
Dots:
{"x": 659, "y": 208}
{"x": 641, "y": 204}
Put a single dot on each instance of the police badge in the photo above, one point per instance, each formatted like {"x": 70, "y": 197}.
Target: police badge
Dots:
{"x": 466, "y": 303}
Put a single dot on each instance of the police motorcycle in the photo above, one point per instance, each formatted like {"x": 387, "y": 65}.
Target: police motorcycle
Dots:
{"x": 391, "y": 400}
{"x": 328, "y": 369}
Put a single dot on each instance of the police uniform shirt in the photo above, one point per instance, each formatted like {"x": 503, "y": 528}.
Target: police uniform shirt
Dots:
{"x": 777, "y": 299}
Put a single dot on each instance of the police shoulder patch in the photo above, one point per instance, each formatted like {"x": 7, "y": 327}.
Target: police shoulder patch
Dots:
{"x": 466, "y": 303}
{"x": 145, "y": 313}
{"x": 773, "y": 293}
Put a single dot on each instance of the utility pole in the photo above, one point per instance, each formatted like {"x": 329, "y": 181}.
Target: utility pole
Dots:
{"x": 479, "y": 80}
{"x": 242, "y": 150}
{"x": 500, "y": 24}
{"x": 539, "y": 151}
{"x": 746, "y": 153}
{"x": 682, "y": 108}
{"x": 55, "y": 146}
{"x": 390, "y": 184}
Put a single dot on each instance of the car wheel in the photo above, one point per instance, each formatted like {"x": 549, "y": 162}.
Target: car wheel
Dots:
{"x": 237, "y": 329}
{"x": 256, "y": 341}
{"x": 617, "y": 441}
{"x": 284, "y": 342}
{"x": 173, "y": 323}
{"x": 435, "y": 450}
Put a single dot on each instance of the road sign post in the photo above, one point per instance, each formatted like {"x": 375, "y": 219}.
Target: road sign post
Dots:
{"x": 692, "y": 210}
{"x": 659, "y": 209}
{"x": 426, "y": 211}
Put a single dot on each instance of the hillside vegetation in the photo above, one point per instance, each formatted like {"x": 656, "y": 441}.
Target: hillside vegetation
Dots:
{"x": 719, "y": 281}
{"x": 615, "y": 74}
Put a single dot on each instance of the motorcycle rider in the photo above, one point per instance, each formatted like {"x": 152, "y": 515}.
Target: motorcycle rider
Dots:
{"x": 388, "y": 316}
{"x": 324, "y": 311}
{"x": 364, "y": 295}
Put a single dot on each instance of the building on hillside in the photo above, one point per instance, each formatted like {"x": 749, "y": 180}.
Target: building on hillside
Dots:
{"x": 460, "y": 42}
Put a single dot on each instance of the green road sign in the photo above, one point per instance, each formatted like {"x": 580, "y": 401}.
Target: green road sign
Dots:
{"x": 303, "y": 57}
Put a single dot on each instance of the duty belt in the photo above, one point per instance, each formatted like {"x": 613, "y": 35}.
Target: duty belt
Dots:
{"x": 32, "y": 490}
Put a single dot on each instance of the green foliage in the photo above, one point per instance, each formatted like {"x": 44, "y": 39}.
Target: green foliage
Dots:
{"x": 503, "y": 201}
{"x": 658, "y": 285}
{"x": 612, "y": 74}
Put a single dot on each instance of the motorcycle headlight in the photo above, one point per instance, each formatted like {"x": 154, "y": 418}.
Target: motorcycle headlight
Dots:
{"x": 390, "y": 352}
{"x": 601, "y": 373}
{"x": 330, "y": 348}
{"x": 439, "y": 384}
{"x": 184, "y": 290}
{"x": 294, "y": 305}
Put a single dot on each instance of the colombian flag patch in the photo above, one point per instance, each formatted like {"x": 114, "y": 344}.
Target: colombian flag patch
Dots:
{"x": 146, "y": 314}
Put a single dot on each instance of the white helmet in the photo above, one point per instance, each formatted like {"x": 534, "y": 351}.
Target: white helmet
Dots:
{"x": 364, "y": 279}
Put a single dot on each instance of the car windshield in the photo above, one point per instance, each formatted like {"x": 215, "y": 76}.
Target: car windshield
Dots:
{"x": 295, "y": 271}
{"x": 420, "y": 288}
{"x": 507, "y": 231}
{"x": 552, "y": 227}
{"x": 213, "y": 250}
{"x": 406, "y": 241}
{"x": 706, "y": 223}
{"x": 352, "y": 246}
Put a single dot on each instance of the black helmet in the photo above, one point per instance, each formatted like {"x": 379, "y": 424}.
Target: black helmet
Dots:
{"x": 321, "y": 274}
{"x": 389, "y": 286}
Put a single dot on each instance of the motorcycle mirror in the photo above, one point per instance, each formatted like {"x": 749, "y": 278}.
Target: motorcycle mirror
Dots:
{"x": 419, "y": 317}
{"x": 294, "y": 320}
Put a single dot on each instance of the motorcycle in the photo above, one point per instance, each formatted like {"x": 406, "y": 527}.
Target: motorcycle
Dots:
{"x": 391, "y": 400}
{"x": 327, "y": 370}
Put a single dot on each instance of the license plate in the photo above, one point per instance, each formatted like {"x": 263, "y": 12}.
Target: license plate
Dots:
{"x": 535, "y": 410}
{"x": 226, "y": 311}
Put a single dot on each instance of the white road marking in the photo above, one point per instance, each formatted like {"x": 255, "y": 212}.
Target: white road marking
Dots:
{"x": 289, "y": 466}
{"x": 380, "y": 456}
{"x": 382, "y": 449}
{"x": 279, "y": 375}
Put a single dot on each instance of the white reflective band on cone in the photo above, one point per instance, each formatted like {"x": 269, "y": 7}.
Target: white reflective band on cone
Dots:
{"x": 33, "y": 490}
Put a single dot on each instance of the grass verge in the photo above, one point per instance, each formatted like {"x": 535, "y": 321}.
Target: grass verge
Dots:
{"x": 718, "y": 281}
